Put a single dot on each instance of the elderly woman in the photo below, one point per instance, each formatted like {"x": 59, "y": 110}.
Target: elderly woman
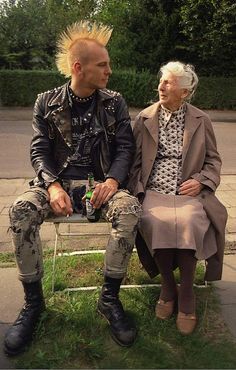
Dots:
{"x": 175, "y": 175}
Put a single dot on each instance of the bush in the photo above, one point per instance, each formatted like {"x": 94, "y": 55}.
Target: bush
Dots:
{"x": 138, "y": 89}
{"x": 20, "y": 88}
{"x": 216, "y": 93}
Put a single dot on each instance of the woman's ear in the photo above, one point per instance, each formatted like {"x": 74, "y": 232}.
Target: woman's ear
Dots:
{"x": 185, "y": 93}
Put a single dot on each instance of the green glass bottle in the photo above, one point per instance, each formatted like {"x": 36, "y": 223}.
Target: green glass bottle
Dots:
{"x": 93, "y": 214}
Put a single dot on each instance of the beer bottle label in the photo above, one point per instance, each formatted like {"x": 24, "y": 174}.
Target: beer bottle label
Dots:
{"x": 90, "y": 210}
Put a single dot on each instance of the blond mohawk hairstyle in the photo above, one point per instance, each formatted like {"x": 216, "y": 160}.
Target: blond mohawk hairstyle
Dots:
{"x": 77, "y": 31}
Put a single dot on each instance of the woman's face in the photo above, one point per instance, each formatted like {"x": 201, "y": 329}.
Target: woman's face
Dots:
{"x": 171, "y": 96}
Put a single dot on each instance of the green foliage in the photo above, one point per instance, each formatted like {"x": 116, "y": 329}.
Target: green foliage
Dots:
{"x": 28, "y": 83}
{"x": 209, "y": 27}
{"x": 147, "y": 33}
{"x": 30, "y": 28}
{"x": 120, "y": 45}
{"x": 216, "y": 93}
{"x": 138, "y": 88}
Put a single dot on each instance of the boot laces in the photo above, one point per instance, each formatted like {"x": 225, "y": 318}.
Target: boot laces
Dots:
{"x": 26, "y": 313}
{"x": 118, "y": 311}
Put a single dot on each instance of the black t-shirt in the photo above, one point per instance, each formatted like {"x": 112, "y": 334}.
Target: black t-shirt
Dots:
{"x": 82, "y": 112}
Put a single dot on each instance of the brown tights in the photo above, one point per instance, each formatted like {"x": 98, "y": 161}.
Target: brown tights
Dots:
{"x": 187, "y": 266}
{"x": 164, "y": 259}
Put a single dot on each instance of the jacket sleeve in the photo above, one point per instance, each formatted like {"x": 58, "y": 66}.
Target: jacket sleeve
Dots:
{"x": 124, "y": 144}
{"x": 135, "y": 185}
{"x": 41, "y": 150}
{"x": 210, "y": 172}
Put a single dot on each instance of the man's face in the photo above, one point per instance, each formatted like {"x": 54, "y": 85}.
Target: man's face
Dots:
{"x": 171, "y": 95}
{"x": 95, "y": 71}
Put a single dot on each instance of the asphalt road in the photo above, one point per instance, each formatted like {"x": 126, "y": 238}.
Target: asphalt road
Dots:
{"x": 15, "y": 137}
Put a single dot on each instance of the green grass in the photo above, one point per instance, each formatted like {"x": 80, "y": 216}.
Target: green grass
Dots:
{"x": 72, "y": 335}
{"x": 85, "y": 270}
{"x": 7, "y": 259}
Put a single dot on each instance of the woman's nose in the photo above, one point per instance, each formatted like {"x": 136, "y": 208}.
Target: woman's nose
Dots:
{"x": 161, "y": 86}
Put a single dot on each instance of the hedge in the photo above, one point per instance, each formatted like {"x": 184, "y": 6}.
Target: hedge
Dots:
{"x": 20, "y": 88}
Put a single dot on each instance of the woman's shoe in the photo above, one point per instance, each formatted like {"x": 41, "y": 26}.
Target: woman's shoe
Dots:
{"x": 164, "y": 310}
{"x": 186, "y": 322}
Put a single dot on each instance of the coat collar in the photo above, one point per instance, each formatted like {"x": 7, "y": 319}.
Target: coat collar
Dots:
{"x": 61, "y": 96}
{"x": 192, "y": 121}
{"x": 151, "y": 120}
{"x": 61, "y": 103}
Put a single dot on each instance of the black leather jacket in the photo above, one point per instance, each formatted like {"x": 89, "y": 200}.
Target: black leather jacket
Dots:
{"x": 112, "y": 146}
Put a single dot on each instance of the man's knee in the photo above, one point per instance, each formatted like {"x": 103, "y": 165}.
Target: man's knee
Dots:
{"x": 126, "y": 222}
{"x": 22, "y": 213}
{"x": 29, "y": 208}
{"x": 124, "y": 209}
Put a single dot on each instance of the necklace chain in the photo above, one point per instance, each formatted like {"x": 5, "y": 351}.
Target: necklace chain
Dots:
{"x": 80, "y": 100}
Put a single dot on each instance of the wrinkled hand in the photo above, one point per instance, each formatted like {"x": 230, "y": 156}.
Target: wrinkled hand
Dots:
{"x": 59, "y": 200}
{"x": 190, "y": 187}
{"x": 103, "y": 192}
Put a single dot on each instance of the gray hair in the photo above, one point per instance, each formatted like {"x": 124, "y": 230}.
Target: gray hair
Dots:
{"x": 185, "y": 73}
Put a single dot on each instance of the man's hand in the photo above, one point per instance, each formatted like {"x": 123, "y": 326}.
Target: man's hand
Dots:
{"x": 59, "y": 200}
{"x": 103, "y": 192}
{"x": 190, "y": 187}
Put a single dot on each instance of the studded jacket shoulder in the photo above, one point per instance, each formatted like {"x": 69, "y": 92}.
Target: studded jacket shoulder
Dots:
{"x": 112, "y": 147}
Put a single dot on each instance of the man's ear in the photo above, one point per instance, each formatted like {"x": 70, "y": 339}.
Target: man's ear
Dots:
{"x": 77, "y": 67}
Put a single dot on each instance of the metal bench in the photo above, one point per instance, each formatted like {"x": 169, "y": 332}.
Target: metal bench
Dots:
{"x": 59, "y": 235}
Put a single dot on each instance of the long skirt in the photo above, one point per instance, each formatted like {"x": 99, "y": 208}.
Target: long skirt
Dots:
{"x": 175, "y": 221}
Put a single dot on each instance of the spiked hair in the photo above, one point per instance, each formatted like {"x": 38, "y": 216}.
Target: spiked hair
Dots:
{"x": 83, "y": 30}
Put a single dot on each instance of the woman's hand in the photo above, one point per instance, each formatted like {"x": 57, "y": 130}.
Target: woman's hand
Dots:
{"x": 190, "y": 187}
{"x": 59, "y": 200}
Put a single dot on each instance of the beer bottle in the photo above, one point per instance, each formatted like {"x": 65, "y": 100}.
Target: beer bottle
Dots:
{"x": 93, "y": 214}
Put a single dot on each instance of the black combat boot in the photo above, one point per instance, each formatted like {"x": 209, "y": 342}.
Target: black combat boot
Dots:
{"x": 109, "y": 305}
{"x": 21, "y": 332}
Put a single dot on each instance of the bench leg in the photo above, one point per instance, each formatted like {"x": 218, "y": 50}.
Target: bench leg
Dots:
{"x": 54, "y": 257}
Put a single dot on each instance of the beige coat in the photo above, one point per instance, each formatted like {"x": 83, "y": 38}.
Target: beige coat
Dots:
{"x": 200, "y": 160}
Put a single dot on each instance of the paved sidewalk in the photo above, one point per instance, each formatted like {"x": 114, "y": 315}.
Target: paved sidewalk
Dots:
{"x": 11, "y": 294}
{"x": 26, "y": 113}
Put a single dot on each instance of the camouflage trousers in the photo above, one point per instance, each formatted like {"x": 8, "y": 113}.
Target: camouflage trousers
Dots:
{"x": 29, "y": 211}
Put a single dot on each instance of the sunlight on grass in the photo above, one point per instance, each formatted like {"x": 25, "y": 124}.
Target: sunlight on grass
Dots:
{"x": 72, "y": 334}
{"x": 87, "y": 270}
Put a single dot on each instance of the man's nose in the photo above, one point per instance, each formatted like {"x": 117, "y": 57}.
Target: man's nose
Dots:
{"x": 108, "y": 70}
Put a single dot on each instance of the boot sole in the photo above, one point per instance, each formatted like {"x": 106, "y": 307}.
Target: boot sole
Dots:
{"x": 11, "y": 353}
{"x": 22, "y": 349}
{"x": 112, "y": 335}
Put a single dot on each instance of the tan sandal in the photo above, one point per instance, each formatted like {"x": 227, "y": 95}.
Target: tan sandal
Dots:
{"x": 164, "y": 310}
{"x": 186, "y": 322}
